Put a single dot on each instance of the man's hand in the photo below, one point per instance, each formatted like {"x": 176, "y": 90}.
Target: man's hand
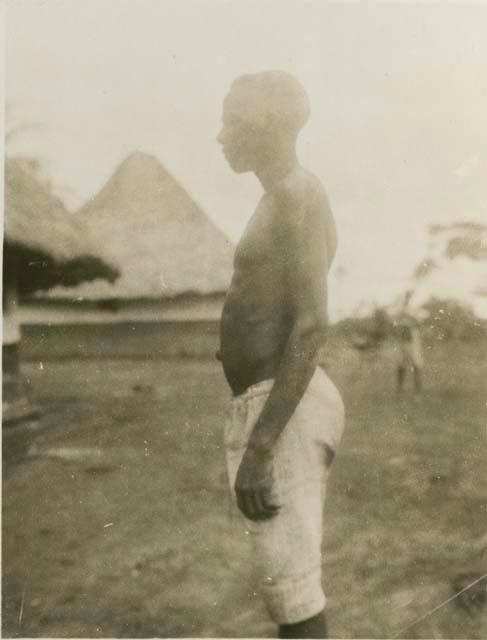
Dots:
{"x": 253, "y": 486}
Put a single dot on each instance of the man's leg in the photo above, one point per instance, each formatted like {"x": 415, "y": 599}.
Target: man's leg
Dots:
{"x": 287, "y": 548}
{"x": 418, "y": 379}
{"x": 314, "y": 627}
{"x": 401, "y": 372}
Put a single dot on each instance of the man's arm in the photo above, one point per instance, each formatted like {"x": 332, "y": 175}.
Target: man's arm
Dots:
{"x": 302, "y": 241}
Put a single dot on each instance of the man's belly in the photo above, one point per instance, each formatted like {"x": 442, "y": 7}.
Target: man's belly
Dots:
{"x": 250, "y": 350}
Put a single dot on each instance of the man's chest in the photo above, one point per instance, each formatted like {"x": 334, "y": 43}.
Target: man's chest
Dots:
{"x": 257, "y": 248}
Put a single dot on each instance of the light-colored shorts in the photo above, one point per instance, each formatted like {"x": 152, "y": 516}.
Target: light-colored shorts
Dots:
{"x": 287, "y": 548}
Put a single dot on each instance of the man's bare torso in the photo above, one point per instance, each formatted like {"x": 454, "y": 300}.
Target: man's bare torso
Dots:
{"x": 257, "y": 319}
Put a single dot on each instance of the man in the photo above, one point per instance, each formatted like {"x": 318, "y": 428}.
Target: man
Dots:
{"x": 287, "y": 416}
{"x": 410, "y": 352}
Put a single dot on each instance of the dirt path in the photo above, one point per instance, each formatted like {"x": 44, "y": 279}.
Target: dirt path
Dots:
{"x": 116, "y": 517}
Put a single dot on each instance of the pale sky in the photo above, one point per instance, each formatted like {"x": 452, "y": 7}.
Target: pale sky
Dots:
{"x": 398, "y": 133}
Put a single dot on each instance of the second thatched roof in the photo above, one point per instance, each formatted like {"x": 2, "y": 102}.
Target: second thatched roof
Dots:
{"x": 165, "y": 244}
{"x": 44, "y": 243}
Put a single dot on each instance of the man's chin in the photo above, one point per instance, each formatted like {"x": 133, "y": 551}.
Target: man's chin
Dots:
{"x": 238, "y": 167}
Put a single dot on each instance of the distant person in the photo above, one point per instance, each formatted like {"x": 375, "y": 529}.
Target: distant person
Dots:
{"x": 410, "y": 356}
{"x": 287, "y": 416}
{"x": 381, "y": 326}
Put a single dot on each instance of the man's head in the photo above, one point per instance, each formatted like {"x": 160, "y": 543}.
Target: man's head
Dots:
{"x": 260, "y": 111}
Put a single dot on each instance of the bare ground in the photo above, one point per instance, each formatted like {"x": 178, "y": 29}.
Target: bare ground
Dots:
{"x": 117, "y": 521}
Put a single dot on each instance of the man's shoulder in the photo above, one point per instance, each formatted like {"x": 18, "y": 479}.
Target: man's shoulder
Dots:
{"x": 298, "y": 184}
{"x": 302, "y": 214}
{"x": 297, "y": 194}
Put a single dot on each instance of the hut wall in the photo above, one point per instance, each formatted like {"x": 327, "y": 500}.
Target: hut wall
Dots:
{"x": 10, "y": 332}
{"x": 10, "y": 306}
{"x": 151, "y": 340}
{"x": 181, "y": 328}
{"x": 52, "y": 311}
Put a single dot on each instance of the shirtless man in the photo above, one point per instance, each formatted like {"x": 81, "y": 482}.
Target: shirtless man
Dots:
{"x": 410, "y": 350}
{"x": 287, "y": 416}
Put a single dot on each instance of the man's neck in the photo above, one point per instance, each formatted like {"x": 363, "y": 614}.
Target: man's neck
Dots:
{"x": 274, "y": 170}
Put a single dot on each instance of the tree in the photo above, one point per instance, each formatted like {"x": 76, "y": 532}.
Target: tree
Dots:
{"x": 449, "y": 319}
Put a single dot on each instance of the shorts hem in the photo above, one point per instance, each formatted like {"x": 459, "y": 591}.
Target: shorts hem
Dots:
{"x": 295, "y": 600}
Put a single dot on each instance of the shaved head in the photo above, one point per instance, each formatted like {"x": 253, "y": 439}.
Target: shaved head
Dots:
{"x": 270, "y": 99}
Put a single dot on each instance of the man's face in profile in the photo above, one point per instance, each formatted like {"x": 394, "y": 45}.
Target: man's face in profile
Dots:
{"x": 242, "y": 142}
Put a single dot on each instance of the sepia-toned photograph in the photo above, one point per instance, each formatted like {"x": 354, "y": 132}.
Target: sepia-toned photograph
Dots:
{"x": 244, "y": 319}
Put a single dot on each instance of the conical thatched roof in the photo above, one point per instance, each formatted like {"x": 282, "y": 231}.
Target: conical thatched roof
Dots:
{"x": 49, "y": 245}
{"x": 165, "y": 244}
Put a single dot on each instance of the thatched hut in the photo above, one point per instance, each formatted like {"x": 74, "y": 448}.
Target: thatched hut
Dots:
{"x": 175, "y": 263}
{"x": 43, "y": 246}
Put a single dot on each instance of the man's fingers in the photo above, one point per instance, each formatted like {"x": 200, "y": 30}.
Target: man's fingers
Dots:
{"x": 256, "y": 504}
{"x": 245, "y": 502}
{"x": 271, "y": 509}
{"x": 264, "y": 509}
{"x": 251, "y": 506}
{"x": 259, "y": 509}
{"x": 267, "y": 499}
{"x": 240, "y": 501}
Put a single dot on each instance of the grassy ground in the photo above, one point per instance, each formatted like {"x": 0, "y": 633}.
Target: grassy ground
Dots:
{"x": 117, "y": 522}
